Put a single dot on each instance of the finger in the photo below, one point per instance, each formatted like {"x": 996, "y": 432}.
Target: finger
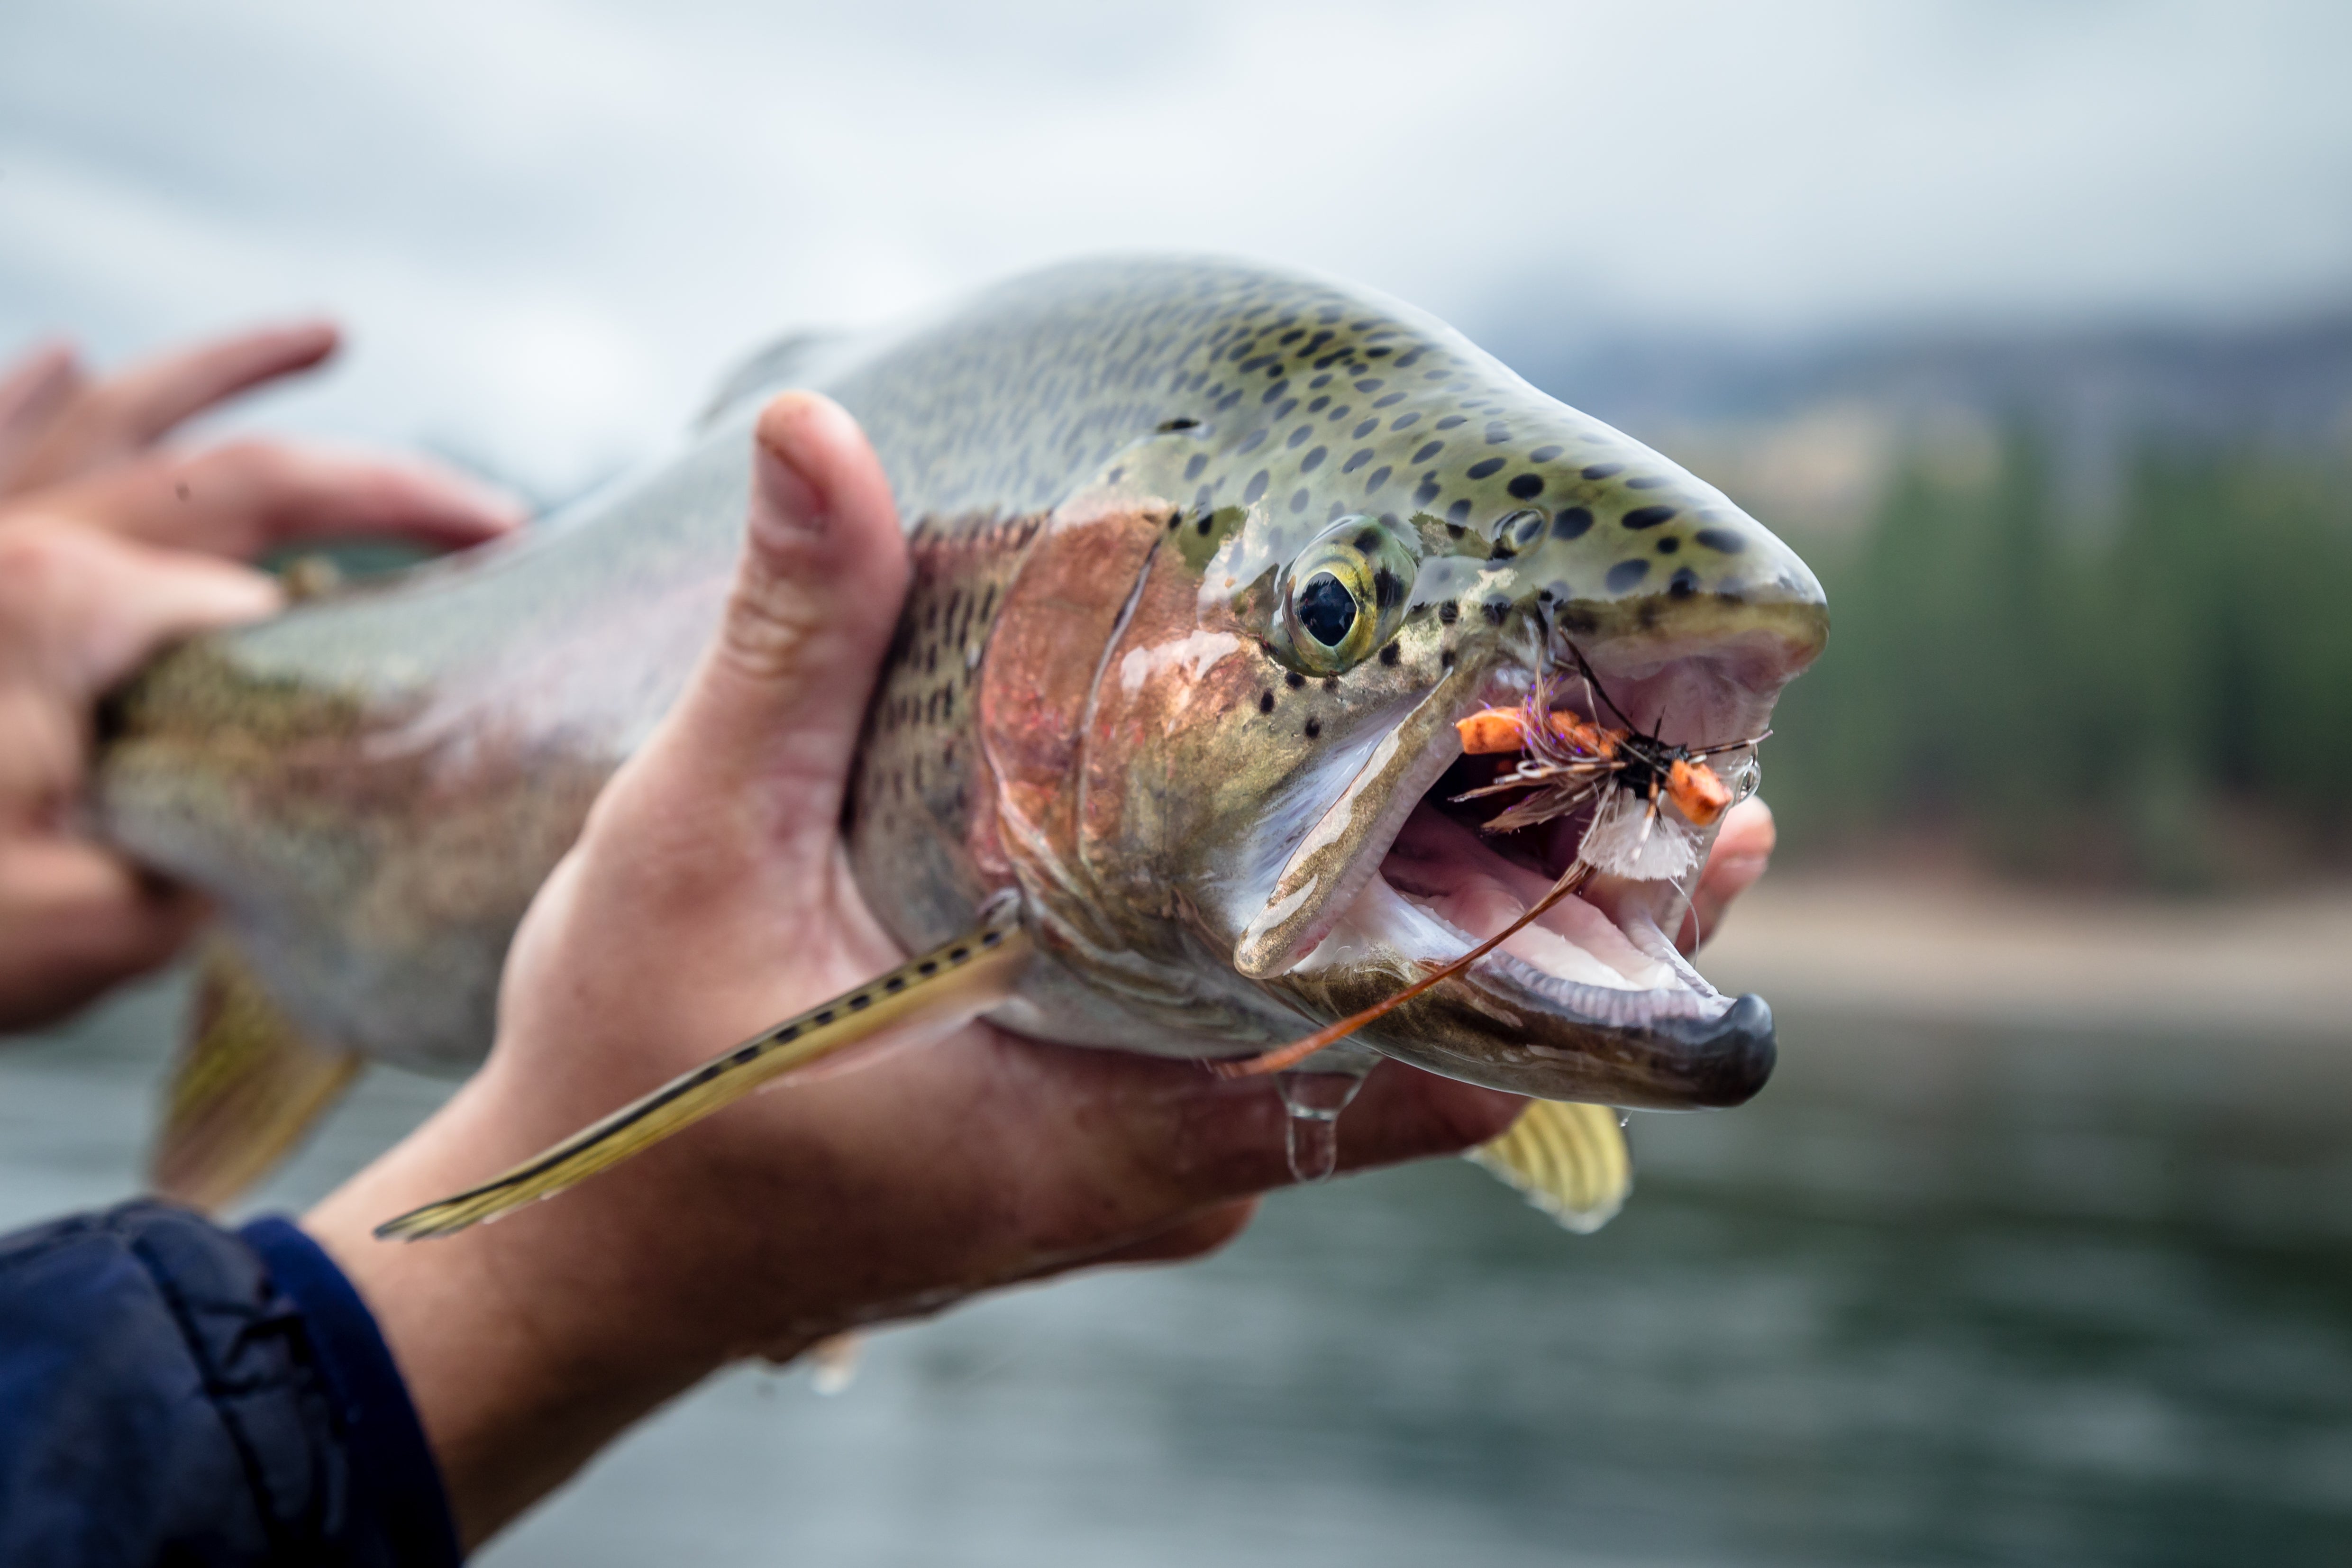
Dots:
{"x": 247, "y": 497}
{"x": 774, "y": 709}
{"x": 153, "y": 396}
{"x": 122, "y": 414}
{"x": 1173, "y": 1139}
{"x": 31, "y": 392}
{"x": 76, "y": 921}
{"x": 1743, "y": 847}
{"x": 1195, "y": 1236}
{"x": 80, "y": 609}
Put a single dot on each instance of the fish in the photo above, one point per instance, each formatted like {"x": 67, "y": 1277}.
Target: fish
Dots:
{"x": 1211, "y": 561}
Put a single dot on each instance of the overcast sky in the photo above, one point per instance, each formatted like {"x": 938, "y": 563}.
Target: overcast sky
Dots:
{"x": 548, "y": 224}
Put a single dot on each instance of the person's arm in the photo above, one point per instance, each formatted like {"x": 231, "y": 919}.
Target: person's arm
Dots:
{"x": 171, "y": 1391}
{"x": 707, "y": 897}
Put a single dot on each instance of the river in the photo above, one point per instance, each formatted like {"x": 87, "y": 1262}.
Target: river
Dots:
{"x": 1945, "y": 1293}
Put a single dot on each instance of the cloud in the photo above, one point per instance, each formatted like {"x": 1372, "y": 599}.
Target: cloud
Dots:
{"x": 549, "y": 224}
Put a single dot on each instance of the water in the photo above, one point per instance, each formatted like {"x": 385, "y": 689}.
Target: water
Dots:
{"x": 1310, "y": 1132}
{"x": 1940, "y": 1296}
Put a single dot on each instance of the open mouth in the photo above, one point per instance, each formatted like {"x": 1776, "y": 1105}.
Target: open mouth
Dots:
{"x": 1598, "y": 969}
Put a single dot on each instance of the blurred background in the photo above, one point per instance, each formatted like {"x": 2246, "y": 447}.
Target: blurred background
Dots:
{"x": 2030, "y": 323}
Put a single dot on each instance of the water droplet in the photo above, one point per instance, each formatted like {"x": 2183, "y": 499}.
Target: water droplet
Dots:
{"x": 1311, "y": 1134}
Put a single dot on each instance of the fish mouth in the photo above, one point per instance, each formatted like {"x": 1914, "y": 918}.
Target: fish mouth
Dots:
{"x": 1591, "y": 1000}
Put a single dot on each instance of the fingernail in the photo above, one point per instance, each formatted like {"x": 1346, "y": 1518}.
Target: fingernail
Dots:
{"x": 783, "y": 498}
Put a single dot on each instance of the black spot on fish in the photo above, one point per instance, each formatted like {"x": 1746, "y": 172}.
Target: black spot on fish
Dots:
{"x": 1722, "y": 539}
{"x": 1368, "y": 540}
{"x": 1427, "y": 492}
{"x": 1375, "y": 353}
{"x": 1356, "y": 460}
{"x": 1648, "y": 516}
{"x": 1250, "y": 443}
{"x": 1390, "y": 653}
{"x": 1669, "y": 544}
{"x": 1298, "y": 436}
{"x": 1194, "y": 464}
{"x": 1313, "y": 460}
{"x": 1314, "y": 728}
{"x": 1256, "y": 487}
{"x": 1446, "y": 659}
{"x": 1602, "y": 470}
{"x": 861, "y": 1000}
{"x": 1459, "y": 513}
{"x": 1682, "y": 584}
{"x": 1484, "y": 468}
{"x": 1450, "y": 421}
{"x": 1646, "y": 482}
{"x": 1572, "y": 522}
{"x": 1496, "y": 610}
{"x": 1368, "y": 384}
{"x": 1449, "y": 611}
{"x": 1318, "y": 405}
{"x": 1496, "y": 432}
{"x": 1625, "y": 573}
{"x": 1294, "y": 680}
{"x": 1266, "y": 702}
{"x": 1366, "y": 428}
{"x": 1208, "y": 521}
{"x": 1379, "y": 476}
{"x": 822, "y": 1018}
{"x": 1388, "y": 589}
{"x": 1527, "y": 487}
{"x": 1404, "y": 422}
{"x": 1298, "y": 500}
{"x": 1428, "y": 449}
{"x": 1543, "y": 454}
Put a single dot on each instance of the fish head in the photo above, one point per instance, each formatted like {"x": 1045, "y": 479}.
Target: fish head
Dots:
{"x": 1262, "y": 788}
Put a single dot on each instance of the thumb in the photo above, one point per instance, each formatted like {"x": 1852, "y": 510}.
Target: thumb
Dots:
{"x": 775, "y": 707}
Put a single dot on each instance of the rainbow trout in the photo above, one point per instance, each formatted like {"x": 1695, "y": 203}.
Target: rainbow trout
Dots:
{"x": 1210, "y": 560}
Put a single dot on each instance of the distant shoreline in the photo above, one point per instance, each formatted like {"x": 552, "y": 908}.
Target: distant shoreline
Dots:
{"x": 1891, "y": 946}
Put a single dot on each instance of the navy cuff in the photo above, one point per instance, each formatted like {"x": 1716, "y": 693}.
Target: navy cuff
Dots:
{"x": 392, "y": 1468}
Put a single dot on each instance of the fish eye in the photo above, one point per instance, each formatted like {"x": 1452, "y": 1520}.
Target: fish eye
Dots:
{"x": 1345, "y": 594}
{"x": 1327, "y": 610}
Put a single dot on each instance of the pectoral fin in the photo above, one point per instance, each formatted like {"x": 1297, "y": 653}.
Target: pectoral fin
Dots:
{"x": 941, "y": 989}
{"x": 1569, "y": 1159}
{"x": 247, "y": 1087}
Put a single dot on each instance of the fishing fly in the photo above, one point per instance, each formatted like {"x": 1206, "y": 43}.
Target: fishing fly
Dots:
{"x": 1629, "y": 774}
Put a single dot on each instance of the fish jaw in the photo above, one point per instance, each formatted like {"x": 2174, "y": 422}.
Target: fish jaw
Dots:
{"x": 1591, "y": 1001}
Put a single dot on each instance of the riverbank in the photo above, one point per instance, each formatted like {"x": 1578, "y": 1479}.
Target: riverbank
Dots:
{"x": 1909, "y": 947}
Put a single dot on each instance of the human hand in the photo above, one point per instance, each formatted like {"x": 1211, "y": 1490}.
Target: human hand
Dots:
{"x": 710, "y": 896}
{"x": 1743, "y": 848}
{"x": 109, "y": 547}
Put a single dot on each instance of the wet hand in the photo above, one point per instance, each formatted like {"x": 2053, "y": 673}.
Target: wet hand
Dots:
{"x": 709, "y": 896}
{"x": 112, "y": 546}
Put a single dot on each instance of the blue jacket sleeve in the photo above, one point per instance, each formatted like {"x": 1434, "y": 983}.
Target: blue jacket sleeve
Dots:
{"x": 172, "y": 1391}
